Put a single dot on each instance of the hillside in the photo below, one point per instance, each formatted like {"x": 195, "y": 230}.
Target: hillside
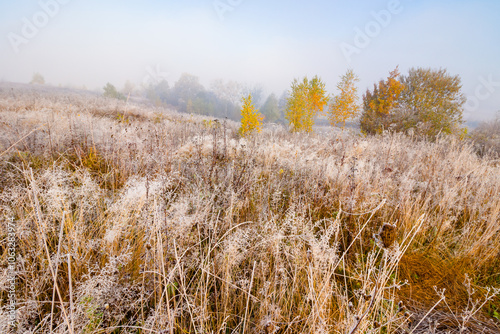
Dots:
{"x": 135, "y": 219}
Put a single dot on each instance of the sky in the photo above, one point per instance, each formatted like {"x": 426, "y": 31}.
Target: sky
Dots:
{"x": 268, "y": 43}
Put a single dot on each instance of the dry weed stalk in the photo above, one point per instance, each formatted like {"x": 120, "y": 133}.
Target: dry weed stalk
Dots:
{"x": 170, "y": 225}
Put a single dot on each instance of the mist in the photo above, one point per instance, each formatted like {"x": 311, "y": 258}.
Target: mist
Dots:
{"x": 89, "y": 43}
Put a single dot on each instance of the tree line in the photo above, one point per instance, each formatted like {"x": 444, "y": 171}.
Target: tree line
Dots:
{"x": 425, "y": 102}
{"x": 188, "y": 95}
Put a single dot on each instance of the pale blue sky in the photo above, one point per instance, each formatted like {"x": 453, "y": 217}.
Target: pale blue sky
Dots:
{"x": 269, "y": 42}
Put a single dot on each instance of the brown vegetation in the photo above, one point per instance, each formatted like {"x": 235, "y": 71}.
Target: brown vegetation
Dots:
{"x": 172, "y": 226}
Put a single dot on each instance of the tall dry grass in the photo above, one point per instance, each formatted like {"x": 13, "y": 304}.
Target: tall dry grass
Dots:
{"x": 132, "y": 219}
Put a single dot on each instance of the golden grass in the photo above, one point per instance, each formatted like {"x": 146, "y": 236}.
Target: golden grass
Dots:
{"x": 173, "y": 226}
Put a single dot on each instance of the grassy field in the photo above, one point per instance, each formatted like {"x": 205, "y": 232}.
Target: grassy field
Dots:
{"x": 131, "y": 219}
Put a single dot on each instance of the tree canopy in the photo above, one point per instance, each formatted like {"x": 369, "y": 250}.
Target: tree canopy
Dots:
{"x": 307, "y": 99}
{"x": 425, "y": 100}
{"x": 251, "y": 120}
{"x": 112, "y": 92}
{"x": 270, "y": 109}
{"x": 345, "y": 105}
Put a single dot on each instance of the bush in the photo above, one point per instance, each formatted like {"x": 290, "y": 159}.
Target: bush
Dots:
{"x": 307, "y": 99}
{"x": 486, "y": 137}
{"x": 112, "y": 92}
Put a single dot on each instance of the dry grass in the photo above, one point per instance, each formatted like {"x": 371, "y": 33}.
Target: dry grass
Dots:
{"x": 136, "y": 220}
{"x": 486, "y": 137}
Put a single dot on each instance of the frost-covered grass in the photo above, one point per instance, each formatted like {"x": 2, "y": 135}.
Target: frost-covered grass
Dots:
{"x": 173, "y": 224}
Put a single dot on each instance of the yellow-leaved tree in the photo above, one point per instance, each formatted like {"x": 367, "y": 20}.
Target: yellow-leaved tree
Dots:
{"x": 388, "y": 93}
{"x": 379, "y": 105}
{"x": 307, "y": 99}
{"x": 251, "y": 119}
{"x": 345, "y": 104}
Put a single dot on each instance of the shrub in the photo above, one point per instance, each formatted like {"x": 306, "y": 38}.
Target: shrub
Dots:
{"x": 112, "y": 92}
{"x": 486, "y": 137}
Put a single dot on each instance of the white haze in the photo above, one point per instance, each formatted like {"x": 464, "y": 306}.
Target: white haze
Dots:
{"x": 91, "y": 43}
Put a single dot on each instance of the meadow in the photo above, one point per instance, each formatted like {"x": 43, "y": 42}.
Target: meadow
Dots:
{"x": 136, "y": 219}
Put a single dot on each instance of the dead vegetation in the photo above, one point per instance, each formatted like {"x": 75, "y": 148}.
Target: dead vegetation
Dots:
{"x": 155, "y": 222}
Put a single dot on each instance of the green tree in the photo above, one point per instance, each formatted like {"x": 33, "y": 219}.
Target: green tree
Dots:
{"x": 251, "y": 120}
{"x": 185, "y": 89}
{"x": 128, "y": 88}
{"x": 270, "y": 109}
{"x": 307, "y": 99}
{"x": 345, "y": 105}
{"x": 110, "y": 91}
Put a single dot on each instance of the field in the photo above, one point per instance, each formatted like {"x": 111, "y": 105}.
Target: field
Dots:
{"x": 135, "y": 219}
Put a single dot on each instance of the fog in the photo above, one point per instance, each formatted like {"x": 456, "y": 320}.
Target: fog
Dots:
{"x": 89, "y": 43}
